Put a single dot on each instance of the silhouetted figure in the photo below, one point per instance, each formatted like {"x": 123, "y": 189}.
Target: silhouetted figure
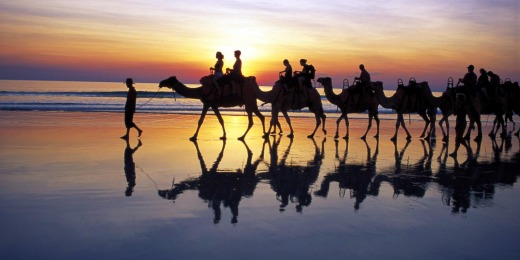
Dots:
{"x": 235, "y": 74}
{"x": 364, "y": 77}
{"x": 130, "y": 166}
{"x": 460, "y": 124}
{"x": 307, "y": 73}
{"x": 286, "y": 74}
{"x": 483, "y": 83}
{"x": 469, "y": 80}
{"x": 494, "y": 83}
{"x": 217, "y": 70}
{"x": 131, "y": 100}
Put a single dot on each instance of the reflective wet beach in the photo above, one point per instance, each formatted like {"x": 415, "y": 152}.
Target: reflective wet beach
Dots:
{"x": 70, "y": 189}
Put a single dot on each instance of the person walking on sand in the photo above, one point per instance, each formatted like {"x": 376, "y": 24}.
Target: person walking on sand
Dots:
{"x": 131, "y": 100}
{"x": 460, "y": 123}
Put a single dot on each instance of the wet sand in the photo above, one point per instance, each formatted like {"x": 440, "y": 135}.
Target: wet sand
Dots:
{"x": 65, "y": 191}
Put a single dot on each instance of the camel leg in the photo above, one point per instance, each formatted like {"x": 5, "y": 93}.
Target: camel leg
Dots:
{"x": 249, "y": 125}
{"x": 370, "y": 116}
{"x": 262, "y": 119}
{"x": 318, "y": 122}
{"x": 471, "y": 125}
{"x": 426, "y": 125}
{"x": 221, "y": 121}
{"x": 336, "y": 136}
{"x": 445, "y": 134}
{"x": 201, "y": 120}
{"x": 288, "y": 120}
{"x": 323, "y": 118}
{"x": 347, "y": 123}
{"x": 376, "y": 117}
{"x": 397, "y": 125}
{"x": 433, "y": 118}
{"x": 272, "y": 123}
{"x": 408, "y": 135}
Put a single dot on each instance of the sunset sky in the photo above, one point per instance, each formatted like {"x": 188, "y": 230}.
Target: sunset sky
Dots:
{"x": 96, "y": 40}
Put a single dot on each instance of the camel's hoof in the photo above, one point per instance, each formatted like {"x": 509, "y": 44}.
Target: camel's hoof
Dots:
{"x": 324, "y": 132}
{"x": 290, "y": 135}
{"x": 240, "y": 138}
{"x": 310, "y": 136}
{"x": 336, "y": 136}
{"x": 409, "y": 138}
{"x": 364, "y": 137}
{"x": 393, "y": 139}
{"x": 445, "y": 139}
{"x": 193, "y": 138}
{"x": 454, "y": 155}
{"x": 224, "y": 138}
{"x": 422, "y": 136}
{"x": 376, "y": 136}
{"x": 345, "y": 137}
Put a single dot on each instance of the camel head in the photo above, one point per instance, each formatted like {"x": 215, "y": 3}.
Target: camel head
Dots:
{"x": 326, "y": 81}
{"x": 169, "y": 82}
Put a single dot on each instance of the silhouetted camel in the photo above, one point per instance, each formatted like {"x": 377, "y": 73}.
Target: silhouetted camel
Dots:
{"x": 417, "y": 99}
{"x": 293, "y": 99}
{"x": 211, "y": 98}
{"x": 359, "y": 103}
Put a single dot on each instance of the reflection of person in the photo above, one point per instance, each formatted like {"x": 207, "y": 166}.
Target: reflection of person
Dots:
{"x": 130, "y": 167}
{"x": 131, "y": 100}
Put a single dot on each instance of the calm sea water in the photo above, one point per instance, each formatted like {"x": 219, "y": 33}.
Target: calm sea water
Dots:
{"x": 110, "y": 97}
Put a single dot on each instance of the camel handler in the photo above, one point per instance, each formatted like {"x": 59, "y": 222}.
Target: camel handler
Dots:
{"x": 363, "y": 82}
{"x": 131, "y": 100}
{"x": 460, "y": 123}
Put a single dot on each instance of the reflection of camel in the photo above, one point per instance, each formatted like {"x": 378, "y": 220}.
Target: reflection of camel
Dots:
{"x": 355, "y": 177}
{"x": 360, "y": 102}
{"x": 447, "y": 106}
{"x": 291, "y": 183}
{"x": 219, "y": 187}
{"x": 293, "y": 99}
{"x": 130, "y": 166}
{"x": 414, "y": 99}
{"x": 211, "y": 98}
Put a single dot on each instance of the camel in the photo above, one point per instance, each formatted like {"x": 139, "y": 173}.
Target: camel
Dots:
{"x": 212, "y": 98}
{"x": 417, "y": 99}
{"x": 359, "y": 103}
{"x": 293, "y": 99}
{"x": 478, "y": 106}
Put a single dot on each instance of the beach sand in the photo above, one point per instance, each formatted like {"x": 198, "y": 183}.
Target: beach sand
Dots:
{"x": 64, "y": 192}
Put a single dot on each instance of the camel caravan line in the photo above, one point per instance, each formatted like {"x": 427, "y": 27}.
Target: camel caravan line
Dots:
{"x": 415, "y": 97}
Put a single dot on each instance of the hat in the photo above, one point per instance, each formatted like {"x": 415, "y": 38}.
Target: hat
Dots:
{"x": 129, "y": 81}
{"x": 471, "y": 67}
{"x": 303, "y": 60}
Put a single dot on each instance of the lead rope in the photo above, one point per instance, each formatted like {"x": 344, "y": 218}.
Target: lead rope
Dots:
{"x": 150, "y": 98}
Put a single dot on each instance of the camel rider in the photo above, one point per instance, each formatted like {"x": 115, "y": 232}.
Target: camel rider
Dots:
{"x": 286, "y": 74}
{"x": 307, "y": 73}
{"x": 364, "y": 77}
{"x": 235, "y": 74}
{"x": 469, "y": 80}
{"x": 217, "y": 70}
{"x": 494, "y": 83}
{"x": 483, "y": 82}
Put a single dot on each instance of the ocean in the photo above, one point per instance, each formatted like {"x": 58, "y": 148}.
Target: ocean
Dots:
{"x": 74, "y": 96}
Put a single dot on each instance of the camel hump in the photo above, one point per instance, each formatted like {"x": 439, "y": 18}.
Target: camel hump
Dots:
{"x": 206, "y": 80}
